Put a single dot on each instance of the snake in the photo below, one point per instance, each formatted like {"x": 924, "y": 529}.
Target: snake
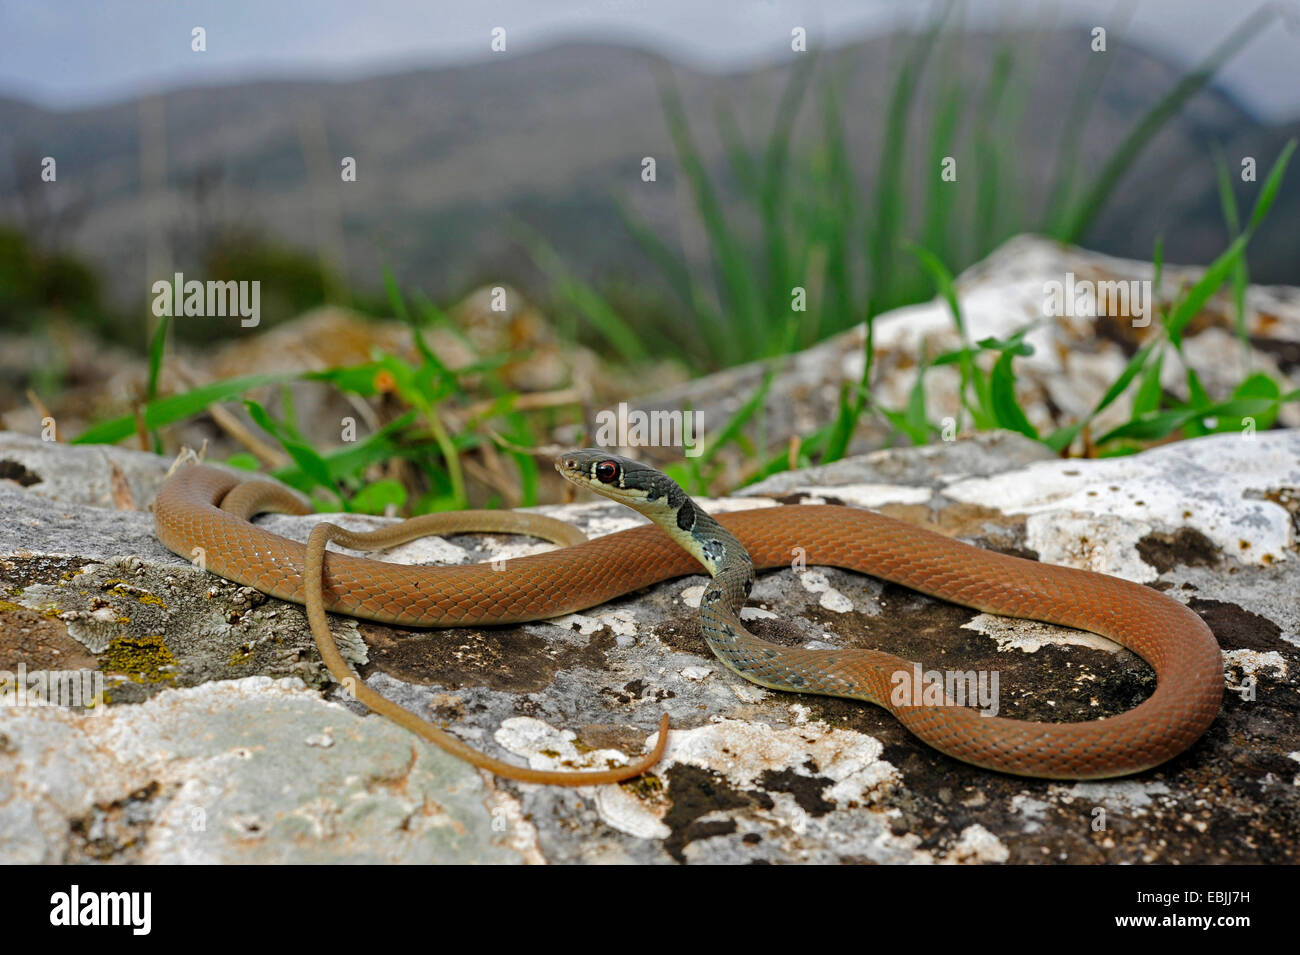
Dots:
{"x": 204, "y": 513}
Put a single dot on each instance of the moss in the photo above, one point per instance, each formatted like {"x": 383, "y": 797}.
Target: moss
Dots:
{"x": 142, "y": 659}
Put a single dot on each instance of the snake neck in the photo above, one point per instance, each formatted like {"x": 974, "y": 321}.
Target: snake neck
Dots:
{"x": 732, "y": 570}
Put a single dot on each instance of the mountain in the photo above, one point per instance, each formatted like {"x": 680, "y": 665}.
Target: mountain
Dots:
{"x": 450, "y": 160}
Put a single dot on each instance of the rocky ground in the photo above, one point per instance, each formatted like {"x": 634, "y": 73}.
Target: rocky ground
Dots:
{"x": 224, "y": 741}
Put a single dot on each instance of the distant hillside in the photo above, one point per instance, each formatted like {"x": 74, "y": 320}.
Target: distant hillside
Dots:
{"x": 449, "y": 159}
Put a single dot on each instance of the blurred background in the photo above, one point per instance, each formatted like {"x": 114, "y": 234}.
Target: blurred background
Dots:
{"x": 504, "y": 144}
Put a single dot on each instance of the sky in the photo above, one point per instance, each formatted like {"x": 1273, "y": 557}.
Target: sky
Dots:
{"x": 70, "y": 53}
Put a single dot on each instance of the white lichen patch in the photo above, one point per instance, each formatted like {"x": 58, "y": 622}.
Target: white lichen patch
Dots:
{"x": 93, "y": 629}
{"x": 621, "y": 622}
{"x": 1125, "y": 796}
{"x": 425, "y": 550}
{"x": 1254, "y": 662}
{"x": 721, "y": 505}
{"x": 1102, "y": 543}
{"x": 1032, "y": 809}
{"x": 598, "y": 518}
{"x": 691, "y": 596}
{"x": 864, "y": 495}
{"x": 1093, "y": 513}
{"x": 738, "y": 750}
{"x": 749, "y": 692}
{"x": 547, "y": 747}
{"x": 976, "y": 845}
{"x": 815, "y": 582}
{"x": 743, "y": 751}
{"x": 1030, "y": 636}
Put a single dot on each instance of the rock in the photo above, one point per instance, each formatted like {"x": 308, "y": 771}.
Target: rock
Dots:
{"x": 222, "y": 738}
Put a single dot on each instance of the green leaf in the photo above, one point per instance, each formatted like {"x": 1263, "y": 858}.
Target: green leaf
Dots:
{"x": 529, "y": 478}
{"x": 913, "y": 422}
{"x": 1197, "y": 396}
{"x": 375, "y": 497}
{"x": 244, "y": 461}
{"x": 1148, "y": 394}
{"x": 1003, "y": 398}
{"x": 1257, "y": 385}
{"x": 1160, "y": 425}
{"x": 846, "y": 419}
{"x": 943, "y": 280}
{"x": 1060, "y": 439}
{"x": 1209, "y": 283}
{"x": 1118, "y": 386}
{"x": 354, "y": 458}
{"x": 305, "y": 456}
{"x": 175, "y": 408}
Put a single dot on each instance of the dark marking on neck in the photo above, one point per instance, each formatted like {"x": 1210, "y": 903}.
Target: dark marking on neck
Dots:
{"x": 686, "y": 515}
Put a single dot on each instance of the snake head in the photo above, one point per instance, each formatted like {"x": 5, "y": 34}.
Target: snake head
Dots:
{"x": 629, "y": 482}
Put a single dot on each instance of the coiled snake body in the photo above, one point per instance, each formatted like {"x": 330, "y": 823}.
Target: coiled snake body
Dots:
{"x": 201, "y": 507}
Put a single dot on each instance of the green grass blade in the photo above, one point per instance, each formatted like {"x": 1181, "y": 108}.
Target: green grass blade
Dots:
{"x": 885, "y": 229}
{"x": 1148, "y": 394}
{"x": 1272, "y": 183}
{"x": 1094, "y": 199}
{"x": 1209, "y": 283}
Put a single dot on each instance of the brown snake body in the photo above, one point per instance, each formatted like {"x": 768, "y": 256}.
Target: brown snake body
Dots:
{"x": 1170, "y": 637}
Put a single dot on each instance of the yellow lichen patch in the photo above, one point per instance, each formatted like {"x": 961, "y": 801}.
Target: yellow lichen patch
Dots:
{"x": 10, "y": 605}
{"x": 141, "y": 659}
{"x": 241, "y": 656}
{"x": 645, "y": 786}
{"x": 123, "y": 589}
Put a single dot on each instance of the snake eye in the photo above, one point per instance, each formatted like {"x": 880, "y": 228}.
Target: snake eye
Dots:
{"x": 606, "y": 472}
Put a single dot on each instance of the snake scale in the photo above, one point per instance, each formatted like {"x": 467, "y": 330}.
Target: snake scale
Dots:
{"x": 202, "y": 507}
